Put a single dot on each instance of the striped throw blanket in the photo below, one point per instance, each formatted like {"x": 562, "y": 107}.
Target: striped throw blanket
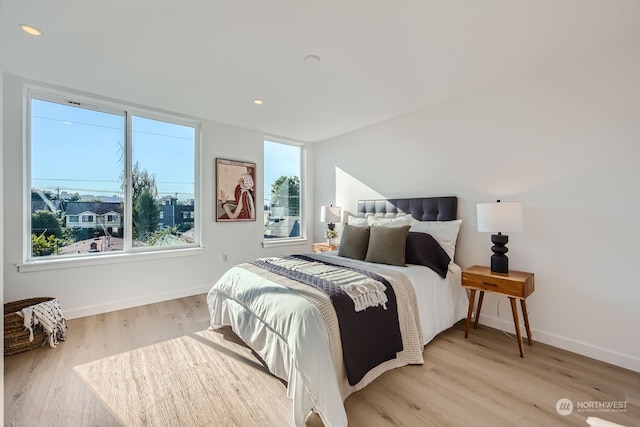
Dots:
{"x": 366, "y": 290}
{"x": 49, "y": 315}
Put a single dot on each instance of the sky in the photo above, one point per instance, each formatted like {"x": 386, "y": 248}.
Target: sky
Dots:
{"x": 279, "y": 160}
{"x": 79, "y": 150}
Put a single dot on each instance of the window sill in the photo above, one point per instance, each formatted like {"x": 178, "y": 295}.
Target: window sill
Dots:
{"x": 273, "y": 243}
{"x": 55, "y": 264}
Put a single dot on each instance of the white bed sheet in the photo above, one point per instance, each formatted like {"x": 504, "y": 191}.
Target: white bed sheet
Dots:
{"x": 289, "y": 333}
{"x": 441, "y": 302}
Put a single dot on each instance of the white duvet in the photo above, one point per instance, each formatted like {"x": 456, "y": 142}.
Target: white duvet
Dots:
{"x": 290, "y": 335}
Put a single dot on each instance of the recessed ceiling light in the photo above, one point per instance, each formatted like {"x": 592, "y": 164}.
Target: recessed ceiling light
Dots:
{"x": 312, "y": 59}
{"x": 257, "y": 101}
{"x": 30, "y": 30}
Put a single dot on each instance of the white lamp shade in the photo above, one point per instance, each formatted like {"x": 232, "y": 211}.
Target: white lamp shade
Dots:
{"x": 500, "y": 217}
{"x": 330, "y": 214}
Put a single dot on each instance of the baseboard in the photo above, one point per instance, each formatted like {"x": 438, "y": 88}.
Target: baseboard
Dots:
{"x": 134, "y": 302}
{"x": 618, "y": 359}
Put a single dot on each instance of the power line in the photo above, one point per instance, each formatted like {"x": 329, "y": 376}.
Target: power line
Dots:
{"x": 65, "y": 121}
{"x": 104, "y": 180}
{"x": 75, "y": 180}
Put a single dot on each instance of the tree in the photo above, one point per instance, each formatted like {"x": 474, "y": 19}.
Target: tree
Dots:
{"x": 43, "y": 245}
{"x": 45, "y": 223}
{"x": 46, "y": 233}
{"x": 145, "y": 209}
{"x": 141, "y": 181}
{"x": 285, "y": 192}
{"x": 167, "y": 236}
{"x": 37, "y": 194}
{"x": 146, "y": 213}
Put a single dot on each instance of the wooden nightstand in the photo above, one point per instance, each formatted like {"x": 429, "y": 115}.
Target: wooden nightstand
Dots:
{"x": 324, "y": 247}
{"x": 514, "y": 284}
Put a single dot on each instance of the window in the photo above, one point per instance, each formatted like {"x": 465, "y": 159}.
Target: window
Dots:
{"x": 99, "y": 173}
{"x": 283, "y": 196}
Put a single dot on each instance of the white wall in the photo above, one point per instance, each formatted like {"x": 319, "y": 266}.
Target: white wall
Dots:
{"x": 564, "y": 141}
{"x": 100, "y": 288}
{"x": 1, "y": 238}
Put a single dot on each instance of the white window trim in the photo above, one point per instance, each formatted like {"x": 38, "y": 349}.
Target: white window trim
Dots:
{"x": 87, "y": 260}
{"x": 302, "y": 239}
{"x": 113, "y": 107}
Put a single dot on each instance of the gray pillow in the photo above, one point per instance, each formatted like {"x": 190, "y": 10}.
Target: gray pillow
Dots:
{"x": 387, "y": 245}
{"x": 354, "y": 242}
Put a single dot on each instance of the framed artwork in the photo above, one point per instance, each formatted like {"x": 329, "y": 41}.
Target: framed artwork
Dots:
{"x": 235, "y": 190}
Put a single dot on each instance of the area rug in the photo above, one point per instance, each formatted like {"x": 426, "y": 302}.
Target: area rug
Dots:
{"x": 201, "y": 379}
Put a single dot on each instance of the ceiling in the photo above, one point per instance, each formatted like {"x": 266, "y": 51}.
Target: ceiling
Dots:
{"x": 378, "y": 59}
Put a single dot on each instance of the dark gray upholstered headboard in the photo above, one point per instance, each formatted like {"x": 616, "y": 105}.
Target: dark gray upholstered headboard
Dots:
{"x": 422, "y": 209}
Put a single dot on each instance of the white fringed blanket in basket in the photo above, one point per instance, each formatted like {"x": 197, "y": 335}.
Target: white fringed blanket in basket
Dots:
{"x": 49, "y": 315}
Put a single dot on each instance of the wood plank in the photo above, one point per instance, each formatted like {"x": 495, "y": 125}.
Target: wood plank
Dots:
{"x": 478, "y": 381}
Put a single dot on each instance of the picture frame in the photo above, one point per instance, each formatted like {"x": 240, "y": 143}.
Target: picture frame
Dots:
{"x": 235, "y": 190}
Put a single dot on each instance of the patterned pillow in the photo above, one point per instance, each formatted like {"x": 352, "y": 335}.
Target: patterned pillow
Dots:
{"x": 387, "y": 245}
{"x": 424, "y": 249}
{"x": 354, "y": 242}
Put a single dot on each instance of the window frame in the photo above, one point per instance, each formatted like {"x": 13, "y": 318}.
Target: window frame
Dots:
{"x": 127, "y": 111}
{"x": 302, "y": 238}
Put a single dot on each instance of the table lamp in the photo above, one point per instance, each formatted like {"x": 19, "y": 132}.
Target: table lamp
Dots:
{"x": 497, "y": 218}
{"x": 330, "y": 214}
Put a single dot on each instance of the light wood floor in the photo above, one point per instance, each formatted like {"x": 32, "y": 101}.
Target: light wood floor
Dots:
{"x": 480, "y": 381}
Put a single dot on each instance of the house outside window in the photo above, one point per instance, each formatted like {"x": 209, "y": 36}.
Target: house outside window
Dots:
{"x": 102, "y": 170}
{"x": 283, "y": 191}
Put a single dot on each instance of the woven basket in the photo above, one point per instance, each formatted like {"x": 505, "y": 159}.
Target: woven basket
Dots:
{"x": 16, "y": 336}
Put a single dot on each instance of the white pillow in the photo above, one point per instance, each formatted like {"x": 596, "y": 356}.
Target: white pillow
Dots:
{"x": 445, "y": 232}
{"x": 390, "y": 222}
{"x": 357, "y": 222}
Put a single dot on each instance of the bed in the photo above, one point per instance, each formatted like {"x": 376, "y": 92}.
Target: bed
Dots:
{"x": 329, "y": 324}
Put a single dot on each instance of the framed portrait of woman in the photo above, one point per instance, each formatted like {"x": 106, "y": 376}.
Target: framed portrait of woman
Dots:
{"x": 235, "y": 190}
